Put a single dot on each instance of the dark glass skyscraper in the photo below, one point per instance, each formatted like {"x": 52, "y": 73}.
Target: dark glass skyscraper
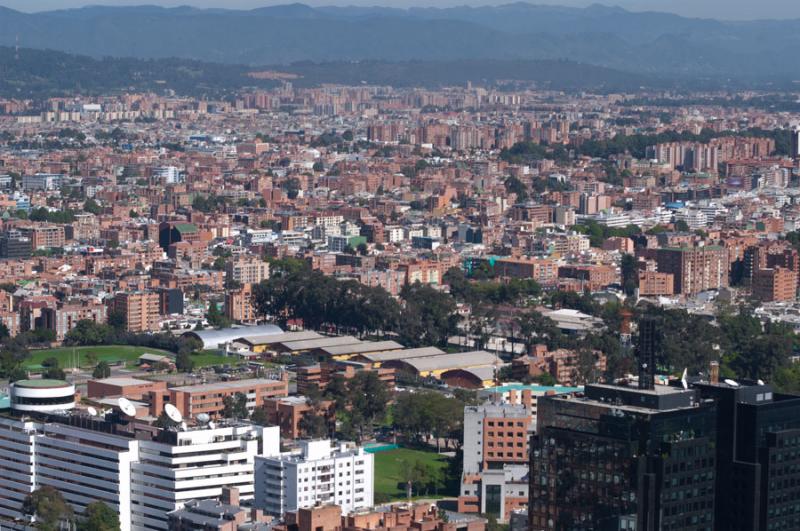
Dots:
{"x": 758, "y": 456}
{"x": 620, "y": 457}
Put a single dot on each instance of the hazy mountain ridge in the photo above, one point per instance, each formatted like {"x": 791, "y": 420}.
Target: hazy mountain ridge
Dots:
{"x": 47, "y": 73}
{"x": 648, "y": 42}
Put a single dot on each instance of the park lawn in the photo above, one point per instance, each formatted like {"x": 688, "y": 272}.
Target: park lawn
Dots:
{"x": 389, "y": 467}
{"x": 109, "y": 353}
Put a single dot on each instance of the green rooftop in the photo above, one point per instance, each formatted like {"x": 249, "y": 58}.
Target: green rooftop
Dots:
{"x": 41, "y": 384}
{"x": 186, "y": 227}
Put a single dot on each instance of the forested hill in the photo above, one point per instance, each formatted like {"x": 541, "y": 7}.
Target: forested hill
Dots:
{"x": 45, "y": 73}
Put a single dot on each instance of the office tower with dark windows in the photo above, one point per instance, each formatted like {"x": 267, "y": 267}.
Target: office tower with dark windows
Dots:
{"x": 625, "y": 456}
{"x": 758, "y": 456}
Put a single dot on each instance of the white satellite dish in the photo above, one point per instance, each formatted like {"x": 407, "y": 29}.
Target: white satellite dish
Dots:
{"x": 92, "y": 411}
{"x": 126, "y": 406}
{"x": 761, "y": 382}
{"x": 684, "y": 383}
{"x": 211, "y": 425}
{"x": 183, "y": 426}
{"x": 173, "y": 413}
{"x": 203, "y": 418}
{"x": 732, "y": 383}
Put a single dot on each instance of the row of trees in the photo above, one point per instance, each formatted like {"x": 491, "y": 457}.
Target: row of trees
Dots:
{"x": 295, "y": 292}
{"x": 426, "y": 415}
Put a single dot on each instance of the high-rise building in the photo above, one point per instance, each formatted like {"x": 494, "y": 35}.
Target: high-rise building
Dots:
{"x": 495, "y": 468}
{"x": 246, "y": 270}
{"x": 620, "y": 457}
{"x": 140, "y": 310}
{"x": 757, "y": 455}
{"x": 694, "y": 269}
{"x": 14, "y": 245}
{"x": 140, "y": 471}
{"x": 318, "y": 474}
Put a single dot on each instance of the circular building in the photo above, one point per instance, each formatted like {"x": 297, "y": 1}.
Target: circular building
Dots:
{"x": 43, "y": 396}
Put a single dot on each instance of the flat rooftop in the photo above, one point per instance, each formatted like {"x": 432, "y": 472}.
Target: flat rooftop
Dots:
{"x": 41, "y": 384}
{"x": 123, "y": 381}
{"x": 225, "y": 386}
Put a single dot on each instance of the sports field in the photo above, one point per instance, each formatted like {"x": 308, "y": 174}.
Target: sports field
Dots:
{"x": 69, "y": 357}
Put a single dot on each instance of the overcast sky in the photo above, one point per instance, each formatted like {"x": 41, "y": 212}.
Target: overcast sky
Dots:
{"x": 720, "y": 9}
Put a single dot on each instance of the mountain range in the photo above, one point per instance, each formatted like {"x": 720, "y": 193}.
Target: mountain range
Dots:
{"x": 651, "y": 43}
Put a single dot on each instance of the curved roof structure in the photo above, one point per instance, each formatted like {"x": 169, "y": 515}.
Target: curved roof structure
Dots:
{"x": 213, "y": 338}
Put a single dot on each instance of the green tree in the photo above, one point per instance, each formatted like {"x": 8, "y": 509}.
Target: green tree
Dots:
{"x": 235, "y": 407}
{"x": 91, "y": 206}
{"x": 102, "y": 370}
{"x": 49, "y": 508}
{"x": 184, "y": 361}
{"x": 216, "y": 318}
{"x": 260, "y": 416}
{"x": 117, "y": 320}
{"x": 56, "y": 373}
{"x": 630, "y": 274}
{"x": 368, "y": 398}
{"x": 681, "y": 226}
{"x": 313, "y": 425}
{"x": 99, "y": 517}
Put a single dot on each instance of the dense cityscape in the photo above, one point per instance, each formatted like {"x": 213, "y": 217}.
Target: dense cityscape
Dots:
{"x": 492, "y": 305}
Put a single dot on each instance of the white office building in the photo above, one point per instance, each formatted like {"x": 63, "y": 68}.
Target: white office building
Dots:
{"x": 42, "y": 181}
{"x": 138, "y": 470}
{"x": 168, "y": 174}
{"x": 319, "y": 473}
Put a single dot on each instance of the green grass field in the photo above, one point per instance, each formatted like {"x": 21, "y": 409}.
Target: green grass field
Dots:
{"x": 110, "y": 353}
{"x": 390, "y": 466}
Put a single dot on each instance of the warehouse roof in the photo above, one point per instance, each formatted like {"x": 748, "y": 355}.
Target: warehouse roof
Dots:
{"x": 359, "y": 348}
{"x": 401, "y": 354}
{"x": 272, "y": 339}
{"x": 213, "y": 338}
{"x": 457, "y": 360}
{"x": 308, "y": 344}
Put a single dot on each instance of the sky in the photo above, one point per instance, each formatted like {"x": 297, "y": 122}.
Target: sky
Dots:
{"x": 718, "y": 9}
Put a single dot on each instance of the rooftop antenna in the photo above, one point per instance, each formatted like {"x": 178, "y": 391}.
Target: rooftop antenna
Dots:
{"x": 173, "y": 413}
{"x": 126, "y": 407}
{"x": 761, "y": 382}
{"x": 91, "y": 411}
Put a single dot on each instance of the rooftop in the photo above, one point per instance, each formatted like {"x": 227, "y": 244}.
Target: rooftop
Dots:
{"x": 123, "y": 381}
{"x": 41, "y": 384}
{"x": 226, "y": 386}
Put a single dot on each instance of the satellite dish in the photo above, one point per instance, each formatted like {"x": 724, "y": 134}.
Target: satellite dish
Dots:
{"x": 183, "y": 426}
{"x": 203, "y": 418}
{"x": 173, "y": 413}
{"x": 761, "y": 382}
{"x": 126, "y": 406}
{"x": 684, "y": 383}
{"x": 91, "y": 411}
{"x": 732, "y": 383}
{"x": 211, "y": 425}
